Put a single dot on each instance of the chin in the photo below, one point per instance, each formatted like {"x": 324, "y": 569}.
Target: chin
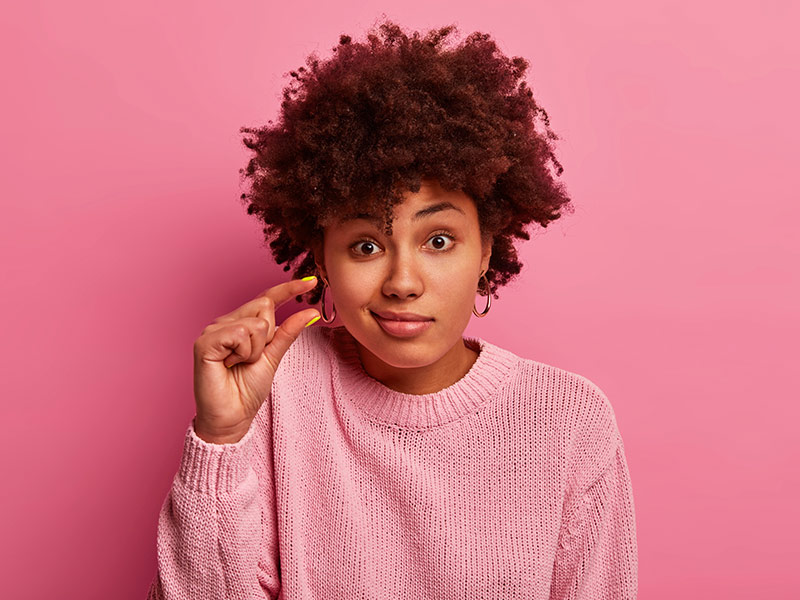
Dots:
{"x": 404, "y": 353}
{"x": 408, "y": 359}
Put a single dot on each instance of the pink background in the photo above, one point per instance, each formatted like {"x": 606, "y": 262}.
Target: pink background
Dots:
{"x": 674, "y": 286}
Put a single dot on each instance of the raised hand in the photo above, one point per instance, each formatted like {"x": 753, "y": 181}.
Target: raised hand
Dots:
{"x": 235, "y": 359}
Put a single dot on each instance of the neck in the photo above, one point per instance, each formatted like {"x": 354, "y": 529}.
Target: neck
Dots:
{"x": 421, "y": 380}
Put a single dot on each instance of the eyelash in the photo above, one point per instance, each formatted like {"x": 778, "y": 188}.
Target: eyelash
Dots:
{"x": 442, "y": 233}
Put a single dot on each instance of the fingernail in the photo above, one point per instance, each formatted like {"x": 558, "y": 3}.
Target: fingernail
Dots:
{"x": 309, "y": 278}
{"x": 314, "y": 320}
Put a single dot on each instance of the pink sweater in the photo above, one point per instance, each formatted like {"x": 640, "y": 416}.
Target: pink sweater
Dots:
{"x": 511, "y": 483}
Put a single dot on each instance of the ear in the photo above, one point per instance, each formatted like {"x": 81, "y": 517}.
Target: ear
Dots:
{"x": 486, "y": 254}
{"x": 319, "y": 257}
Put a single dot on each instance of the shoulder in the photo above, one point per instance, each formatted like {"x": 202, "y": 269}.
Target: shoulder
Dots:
{"x": 577, "y": 400}
{"x": 307, "y": 356}
{"x": 580, "y": 412}
{"x": 302, "y": 377}
{"x": 592, "y": 434}
{"x": 581, "y": 402}
{"x": 314, "y": 340}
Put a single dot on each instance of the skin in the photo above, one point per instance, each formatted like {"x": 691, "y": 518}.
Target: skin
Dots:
{"x": 416, "y": 269}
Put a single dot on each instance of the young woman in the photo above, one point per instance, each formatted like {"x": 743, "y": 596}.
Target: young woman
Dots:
{"x": 389, "y": 456}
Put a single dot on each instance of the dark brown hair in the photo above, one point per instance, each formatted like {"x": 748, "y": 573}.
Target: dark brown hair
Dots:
{"x": 379, "y": 116}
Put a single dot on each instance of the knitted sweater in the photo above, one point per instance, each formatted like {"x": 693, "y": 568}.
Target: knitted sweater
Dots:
{"x": 511, "y": 483}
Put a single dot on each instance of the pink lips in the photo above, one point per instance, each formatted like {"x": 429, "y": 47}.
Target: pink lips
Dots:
{"x": 402, "y": 325}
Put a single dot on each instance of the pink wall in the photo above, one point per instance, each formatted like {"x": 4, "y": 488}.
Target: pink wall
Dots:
{"x": 674, "y": 286}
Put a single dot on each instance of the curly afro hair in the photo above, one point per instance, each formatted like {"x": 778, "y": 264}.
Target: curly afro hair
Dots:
{"x": 376, "y": 118}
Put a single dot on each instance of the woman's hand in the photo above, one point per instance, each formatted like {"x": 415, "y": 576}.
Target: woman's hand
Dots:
{"x": 235, "y": 359}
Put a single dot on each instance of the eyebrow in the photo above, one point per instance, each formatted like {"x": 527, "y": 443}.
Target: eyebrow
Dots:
{"x": 421, "y": 214}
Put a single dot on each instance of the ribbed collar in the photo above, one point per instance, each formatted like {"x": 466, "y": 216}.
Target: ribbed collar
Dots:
{"x": 485, "y": 378}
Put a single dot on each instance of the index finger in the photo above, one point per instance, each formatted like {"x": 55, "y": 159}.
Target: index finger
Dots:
{"x": 279, "y": 294}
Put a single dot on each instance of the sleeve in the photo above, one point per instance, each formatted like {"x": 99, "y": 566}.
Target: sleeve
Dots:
{"x": 217, "y": 528}
{"x": 597, "y": 555}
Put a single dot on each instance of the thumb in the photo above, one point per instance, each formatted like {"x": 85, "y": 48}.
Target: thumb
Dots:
{"x": 286, "y": 333}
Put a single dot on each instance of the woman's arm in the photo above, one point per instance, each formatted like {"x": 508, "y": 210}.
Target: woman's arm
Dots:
{"x": 217, "y": 531}
{"x": 597, "y": 555}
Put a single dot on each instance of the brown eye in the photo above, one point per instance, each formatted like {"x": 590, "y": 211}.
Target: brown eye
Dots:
{"x": 440, "y": 241}
{"x": 367, "y": 246}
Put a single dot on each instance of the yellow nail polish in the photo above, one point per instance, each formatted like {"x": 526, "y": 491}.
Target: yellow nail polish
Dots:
{"x": 309, "y": 278}
{"x": 314, "y": 320}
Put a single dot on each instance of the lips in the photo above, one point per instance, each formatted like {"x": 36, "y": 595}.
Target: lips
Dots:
{"x": 402, "y": 325}
{"x": 401, "y": 316}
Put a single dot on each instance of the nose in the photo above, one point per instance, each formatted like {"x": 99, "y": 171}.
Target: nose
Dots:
{"x": 404, "y": 279}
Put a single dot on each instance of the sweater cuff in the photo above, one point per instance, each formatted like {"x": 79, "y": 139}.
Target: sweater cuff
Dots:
{"x": 214, "y": 468}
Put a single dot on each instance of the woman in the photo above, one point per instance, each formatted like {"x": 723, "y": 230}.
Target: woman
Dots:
{"x": 390, "y": 457}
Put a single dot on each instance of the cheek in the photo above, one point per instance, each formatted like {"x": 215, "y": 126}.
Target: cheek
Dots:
{"x": 354, "y": 286}
{"x": 459, "y": 278}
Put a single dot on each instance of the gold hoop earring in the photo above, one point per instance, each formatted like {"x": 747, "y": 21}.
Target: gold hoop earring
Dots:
{"x": 322, "y": 304}
{"x": 488, "y": 299}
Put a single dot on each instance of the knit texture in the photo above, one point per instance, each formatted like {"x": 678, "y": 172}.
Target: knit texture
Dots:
{"x": 511, "y": 483}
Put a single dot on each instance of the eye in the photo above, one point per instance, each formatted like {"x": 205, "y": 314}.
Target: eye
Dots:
{"x": 438, "y": 242}
{"x": 367, "y": 245}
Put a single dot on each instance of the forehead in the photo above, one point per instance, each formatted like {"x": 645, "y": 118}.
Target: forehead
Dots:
{"x": 417, "y": 206}
{"x": 416, "y": 215}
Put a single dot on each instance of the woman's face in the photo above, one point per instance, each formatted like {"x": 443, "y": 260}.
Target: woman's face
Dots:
{"x": 430, "y": 266}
